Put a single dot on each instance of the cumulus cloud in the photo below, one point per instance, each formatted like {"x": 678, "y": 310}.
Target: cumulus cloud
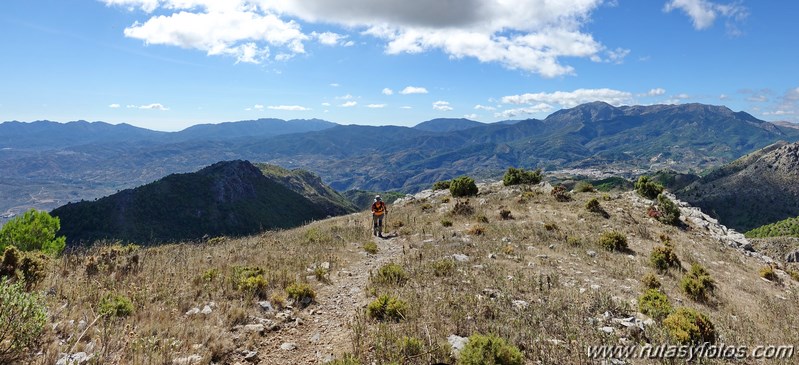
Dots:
{"x": 512, "y": 113}
{"x": 677, "y": 99}
{"x": 325, "y": 104}
{"x": 376, "y": 106}
{"x": 442, "y": 106}
{"x": 703, "y": 13}
{"x": 406, "y": 107}
{"x": 292, "y": 108}
{"x": 114, "y": 106}
{"x": 484, "y": 107}
{"x": 530, "y": 35}
{"x": 334, "y": 85}
{"x": 349, "y": 104}
{"x": 788, "y": 104}
{"x": 154, "y": 106}
{"x": 387, "y": 91}
{"x": 654, "y": 92}
{"x": 471, "y": 116}
{"x": 413, "y": 90}
{"x": 255, "y": 107}
{"x": 569, "y": 99}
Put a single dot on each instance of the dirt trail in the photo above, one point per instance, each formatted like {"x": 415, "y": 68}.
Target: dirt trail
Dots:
{"x": 324, "y": 331}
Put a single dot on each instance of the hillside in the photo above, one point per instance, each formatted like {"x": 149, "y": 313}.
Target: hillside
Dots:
{"x": 311, "y": 187}
{"x": 539, "y": 280}
{"x": 447, "y": 124}
{"x": 755, "y": 190}
{"x": 228, "y": 198}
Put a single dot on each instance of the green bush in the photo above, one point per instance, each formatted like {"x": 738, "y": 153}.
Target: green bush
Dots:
{"x": 22, "y": 319}
{"x": 669, "y": 213}
{"x": 370, "y": 247}
{"x": 387, "y": 307}
{"x": 593, "y": 206}
{"x": 613, "y": 241}
{"x": 115, "y": 305}
{"x": 391, "y": 274}
{"x": 446, "y": 223}
{"x": 463, "y": 186}
{"x": 462, "y": 208}
{"x": 584, "y": 187}
{"x": 444, "y": 267}
{"x": 489, "y": 350}
{"x": 505, "y": 214}
{"x": 34, "y": 230}
{"x": 516, "y": 176}
{"x": 442, "y": 185}
{"x": 29, "y": 267}
{"x": 647, "y": 188}
{"x": 410, "y": 347}
{"x": 250, "y": 280}
{"x": 687, "y": 326}
{"x": 654, "y": 304}
{"x": 663, "y": 258}
{"x": 650, "y": 281}
{"x": 698, "y": 284}
{"x": 346, "y": 359}
{"x": 302, "y": 293}
{"x": 768, "y": 273}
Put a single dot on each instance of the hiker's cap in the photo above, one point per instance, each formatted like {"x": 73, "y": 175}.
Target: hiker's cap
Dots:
{"x": 377, "y": 197}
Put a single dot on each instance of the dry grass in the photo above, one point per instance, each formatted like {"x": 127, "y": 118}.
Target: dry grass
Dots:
{"x": 541, "y": 281}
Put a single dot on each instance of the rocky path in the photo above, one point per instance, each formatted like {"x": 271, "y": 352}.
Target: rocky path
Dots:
{"x": 322, "y": 331}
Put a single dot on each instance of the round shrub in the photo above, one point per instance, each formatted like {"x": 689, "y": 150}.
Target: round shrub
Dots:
{"x": 663, "y": 258}
{"x": 668, "y": 212}
{"x": 34, "y": 230}
{"x": 115, "y": 305}
{"x": 593, "y": 206}
{"x": 651, "y": 281}
{"x": 768, "y": 273}
{"x": 516, "y": 176}
{"x": 654, "y": 304}
{"x": 302, "y": 293}
{"x": 391, "y": 274}
{"x": 687, "y": 326}
{"x": 22, "y": 319}
{"x": 613, "y": 241}
{"x": 584, "y": 187}
{"x": 463, "y": 186}
{"x": 698, "y": 284}
{"x": 387, "y": 307}
{"x": 489, "y": 350}
{"x": 647, "y": 188}
{"x": 441, "y": 185}
{"x": 560, "y": 194}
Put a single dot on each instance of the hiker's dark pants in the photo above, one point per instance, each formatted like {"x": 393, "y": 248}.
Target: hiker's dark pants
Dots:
{"x": 377, "y": 223}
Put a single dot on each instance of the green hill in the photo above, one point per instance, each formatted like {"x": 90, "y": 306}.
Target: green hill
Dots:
{"x": 230, "y": 198}
{"x": 786, "y": 227}
{"x": 310, "y": 186}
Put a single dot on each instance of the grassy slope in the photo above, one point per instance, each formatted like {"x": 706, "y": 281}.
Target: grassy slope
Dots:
{"x": 540, "y": 257}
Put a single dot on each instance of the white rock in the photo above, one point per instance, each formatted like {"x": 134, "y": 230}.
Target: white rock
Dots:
{"x": 606, "y": 329}
{"x": 288, "y": 346}
{"x": 188, "y": 360}
{"x": 457, "y": 343}
{"x": 206, "y": 310}
{"x": 193, "y": 311}
{"x": 460, "y": 257}
{"x": 78, "y": 358}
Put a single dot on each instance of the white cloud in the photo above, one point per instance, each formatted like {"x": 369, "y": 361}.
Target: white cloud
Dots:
{"x": 387, "y": 91}
{"x": 442, "y": 106}
{"x": 335, "y": 85}
{"x": 130, "y": 106}
{"x": 376, "y": 106}
{"x": 531, "y": 35}
{"x": 483, "y": 107}
{"x": 571, "y": 99}
{"x": 239, "y": 29}
{"x": 349, "y": 104}
{"x": 345, "y": 97}
{"x": 329, "y": 38}
{"x": 255, "y": 107}
{"x": 413, "y": 90}
{"x": 788, "y": 104}
{"x": 535, "y": 109}
{"x": 654, "y": 92}
{"x": 723, "y": 97}
{"x": 677, "y": 99}
{"x": 154, "y": 106}
{"x": 703, "y": 13}
{"x": 325, "y": 104}
{"x": 114, "y": 106}
{"x": 406, "y": 107}
{"x": 780, "y": 112}
{"x": 471, "y": 116}
{"x": 293, "y": 108}
{"x": 757, "y": 98}
{"x": 616, "y": 55}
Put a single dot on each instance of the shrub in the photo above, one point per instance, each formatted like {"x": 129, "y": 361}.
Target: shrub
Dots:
{"x": 370, "y": 247}
{"x": 410, "y": 347}
{"x": 654, "y": 304}
{"x": 34, "y": 230}
{"x": 210, "y": 275}
{"x": 250, "y": 280}
{"x": 346, "y": 359}
{"x": 697, "y": 284}
{"x": 476, "y": 231}
{"x": 647, "y": 188}
{"x": 794, "y": 274}
{"x": 489, "y": 350}
{"x": 663, "y": 258}
{"x": 463, "y": 186}
{"x": 462, "y": 208}
{"x": 651, "y": 281}
{"x": 321, "y": 274}
{"x": 613, "y": 241}
{"x": 560, "y": 194}
{"x": 768, "y": 273}
{"x": 446, "y": 223}
{"x": 115, "y": 305}
{"x": 28, "y": 267}
{"x": 391, "y": 274}
{"x": 302, "y": 293}
{"x": 443, "y": 267}
{"x": 687, "y": 326}
{"x": 482, "y": 219}
{"x": 387, "y": 307}
{"x": 669, "y": 213}
{"x": 519, "y": 176}
{"x": 442, "y": 185}
{"x": 22, "y": 319}
{"x": 505, "y": 214}
{"x": 584, "y": 187}
{"x": 593, "y": 206}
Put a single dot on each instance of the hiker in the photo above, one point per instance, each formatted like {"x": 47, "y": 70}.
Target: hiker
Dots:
{"x": 379, "y": 211}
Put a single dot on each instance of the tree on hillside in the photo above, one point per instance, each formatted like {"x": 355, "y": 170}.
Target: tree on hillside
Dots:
{"x": 34, "y": 230}
{"x": 516, "y": 176}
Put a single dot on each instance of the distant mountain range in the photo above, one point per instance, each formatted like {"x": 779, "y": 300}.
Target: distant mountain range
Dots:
{"x": 230, "y": 198}
{"x": 47, "y": 164}
{"x": 759, "y": 188}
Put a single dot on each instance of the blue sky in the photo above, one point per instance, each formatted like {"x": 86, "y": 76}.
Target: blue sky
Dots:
{"x": 169, "y": 64}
